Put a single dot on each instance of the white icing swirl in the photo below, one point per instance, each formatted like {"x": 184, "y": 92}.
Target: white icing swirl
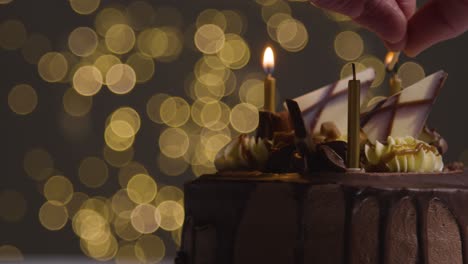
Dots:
{"x": 404, "y": 154}
{"x": 243, "y": 153}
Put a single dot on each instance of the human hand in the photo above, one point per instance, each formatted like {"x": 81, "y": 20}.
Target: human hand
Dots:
{"x": 400, "y": 26}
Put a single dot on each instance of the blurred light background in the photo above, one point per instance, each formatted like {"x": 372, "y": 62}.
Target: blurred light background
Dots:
{"x": 108, "y": 107}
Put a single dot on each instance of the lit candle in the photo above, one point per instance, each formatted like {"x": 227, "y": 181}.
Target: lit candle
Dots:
{"x": 390, "y": 62}
{"x": 270, "y": 82}
{"x": 354, "y": 128}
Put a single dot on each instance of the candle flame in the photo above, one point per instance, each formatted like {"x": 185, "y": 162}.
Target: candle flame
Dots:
{"x": 268, "y": 60}
{"x": 391, "y": 59}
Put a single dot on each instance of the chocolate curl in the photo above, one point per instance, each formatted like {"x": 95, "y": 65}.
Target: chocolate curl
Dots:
{"x": 269, "y": 123}
{"x": 300, "y": 131}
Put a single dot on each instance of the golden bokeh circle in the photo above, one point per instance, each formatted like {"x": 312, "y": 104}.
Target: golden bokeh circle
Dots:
{"x": 116, "y": 142}
{"x": 52, "y": 216}
{"x": 58, "y": 190}
{"x": 122, "y": 203}
{"x": 52, "y": 67}
{"x": 123, "y": 227}
{"x": 273, "y": 23}
{"x": 108, "y": 17}
{"x": 235, "y": 52}
{"x": 244, "y": 118}
{"x": 141, "y": 14}
{"x": 87, "y": 80}
{"x": 292, "y": 35}
{"x": 153, "y": 42}
{"x": 121, "y": 78}
{"x": 174, "y": 142}
{"x": 251, "y": 91}
{"x": 90, "y": 225}
{"x": 93, "y": 172}
{"x": 38, "y": 164}
{"x": 9, "y": 253}
{"x": 153, "y": 107}
{"x": 172, "y": 215}
{"x": 209, "y": 38}
{"x": 22, "y": 99}
{"x": 142, "y": 65}
{"x": 169, "y": 193}
{"x": 150, "y": 249}
{"x": 348, "y": 45}
{"x": 13, "y": 206}
{"x": 76, "y": 104}
{"x": 100, "y": 205}
{"x": 126, "y": 255}
{"x": 82, "y": 41}
{"x": 35, "y": 46}
{"x": 13, "y": 34}
{"x": 410, "y": 72}
{"x": 120, "y": 38}
{"x": 84, "y": 7}
{"x": 104, "y": 62}
{"x": 236, "y": 22}
{"x": 211, "y": 16}
{"x": 145, "y": 218}
{"x": 175, "y": 111}
{"x": 126, "y": 115}
{"x": 142, "y": 189}
{"x": 275, "y": 7}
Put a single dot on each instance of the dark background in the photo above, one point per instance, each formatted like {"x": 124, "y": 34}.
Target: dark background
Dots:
{"x": 296, "y": 74}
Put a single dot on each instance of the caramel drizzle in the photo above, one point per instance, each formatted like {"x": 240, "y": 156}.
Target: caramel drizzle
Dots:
{"x": 420, "y": 146}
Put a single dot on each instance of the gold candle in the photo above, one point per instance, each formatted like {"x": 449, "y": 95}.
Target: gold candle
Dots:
{"x": 390, "y": 62}
{"x": 270, "y": 82}
{"x": 354, "y": 128}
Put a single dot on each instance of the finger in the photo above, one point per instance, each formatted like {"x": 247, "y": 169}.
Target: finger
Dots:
{"x": 436, "y": 21}
{"x": 384, "y": 17}
{"x": 408, "y": 7}
{"x": 398, "y": 46}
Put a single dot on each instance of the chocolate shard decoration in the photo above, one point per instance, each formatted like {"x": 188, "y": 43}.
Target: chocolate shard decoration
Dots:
{"x": 405, "y": 113}
{"x": 443, "y": 235}
{"x": 330, "y": 103}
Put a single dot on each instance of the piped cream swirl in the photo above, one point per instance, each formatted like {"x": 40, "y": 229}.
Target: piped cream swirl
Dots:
{"x": 404, "y": 154}
{"x": 243, "y": 153}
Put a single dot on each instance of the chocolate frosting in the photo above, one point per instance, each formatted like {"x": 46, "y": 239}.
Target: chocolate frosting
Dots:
{"x": 327, "y": 218}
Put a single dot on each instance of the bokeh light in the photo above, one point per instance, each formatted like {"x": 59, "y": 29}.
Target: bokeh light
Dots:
{"x": 169, "y": 193}
{"x": 118, "y": 158}
{"x": 52, "y": 216}
{"x": 82, "y": 41}
{"x": 104, "y": 62}
{"x": 175, "y": 111}
{"x": 142, "y": 65}
{"x": 13, "y": 206}
{"x": 84, "y": 7}
{"x": 22, "y": 99}
{"x": 87, "y": 80}
{"x": 141, "y": 14}
{"x": 410, "y": 72}
{"x": 153, "y": 107}
{"x": 52, "y": 67}
{"x": 347, "y": 69}
{"x": 108, "y": 17}
{"x": 235, "y": 52}
{"x": 244, "y": 118}
{"x": 126, "y": 255}
{"x": 13, "y": 34}
{"x": 145, "y": 218}
{"x": 150, "y": 249}
{"x": 272, "y": 7}
{"x": 93, "y": 172}
{"x": 292, "y": 35}
{"x": 172, "y": 215}
{"x": 170, "y": 166}
{"x": 153, "y": 42}
{"x": 141, "y": 189}
{"x": 76, "y": 104}
{"x": 377, "y": 65}
{"x": 209, "y": 38}
{"x": 9, "y": 253}
{"x": 38, "y": 164}
{"x": 174, "y": 142}
{"x": 251, "y": 91}
{"x": 123, "y": 227}
{"x": 75, "y": 203}
{"x": 121, "y": 78}
{"x": 349, "y": 45}
{"x": 120, "y": 38}
{"x": 125, "y": 122}
{"x": 58, "y": 190}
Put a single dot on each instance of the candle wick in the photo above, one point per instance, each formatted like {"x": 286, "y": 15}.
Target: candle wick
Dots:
{"x": 354, "y": 71}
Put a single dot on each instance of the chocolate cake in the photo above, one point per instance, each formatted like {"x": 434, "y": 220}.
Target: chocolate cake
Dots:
{"x": 248, "y": 217}
{"x": 287, "y": 196}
